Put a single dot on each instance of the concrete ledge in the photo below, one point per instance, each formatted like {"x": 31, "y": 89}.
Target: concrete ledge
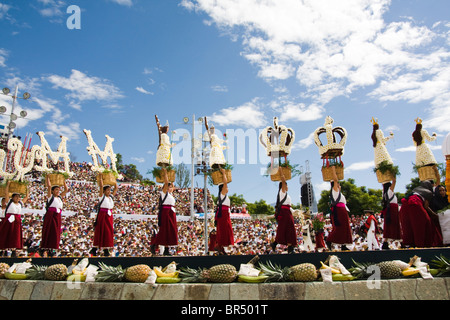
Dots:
{"x": 401, "y": 289}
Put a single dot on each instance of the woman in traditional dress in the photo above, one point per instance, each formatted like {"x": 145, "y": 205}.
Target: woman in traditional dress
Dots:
{"x": 286, "y": 233}
{"x": 104, "y": 223}
{"x": 164, "y": 152}
{"x": 51, "y": 229}
{"x": 11, "y": 225}
{"x": 306, "y": 232}
{"x": 216, "y": 156}
{"x": 224, "y": 233}
{"x": 167, "y": 218}
{"x": 418, "y": 229}
{"x": 341, "y": 233}
{"x": 371, "y": 228}
{"x": 379, "y": 144}
{"x": 424, "y": 155}
{"x": 391, "y": 221}
{"x": 440, "y": 199}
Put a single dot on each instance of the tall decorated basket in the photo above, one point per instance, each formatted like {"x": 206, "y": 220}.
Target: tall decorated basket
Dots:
{"x": 333, "y": 150}
{"x": 278, "y": 140}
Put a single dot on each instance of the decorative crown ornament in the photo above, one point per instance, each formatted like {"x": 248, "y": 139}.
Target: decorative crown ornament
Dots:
{"x": 278, "y": 138}
{"x": 418, "y": 120}
{"x": 374, "y": 121}
{"x": 333, "y": 148}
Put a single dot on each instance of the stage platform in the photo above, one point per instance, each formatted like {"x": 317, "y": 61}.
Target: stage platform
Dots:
{"x": 426, "y": 254}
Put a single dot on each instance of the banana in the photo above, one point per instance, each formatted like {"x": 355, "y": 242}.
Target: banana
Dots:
{"x": 410, "y": 271}
{"x": 333, "y": 270}
{"x": 76, "y": 278}
{"x": 167, "y": 280}
{"x": 16, "y": 276}
{"x": 342, "y": 277}
{"x": 250, "y": 279}
{"x": 78, "y": 272}
{"x": 159, "y": 273}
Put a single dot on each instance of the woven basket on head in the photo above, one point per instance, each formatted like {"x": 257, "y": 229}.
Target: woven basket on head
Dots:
{"x": 327, "y": 173}
{"x": 109, "y": 179}
{"x": 384, "y": 177}
{"x": 170, "y": 176}
{"x": 287, "y": 172}
{"x": 56, "y": 179}
{"x": 217, "y": 177}
{"x": 427, "y": 173}
{"x": 17, "y": 187}
{"x": 2, "y": 191}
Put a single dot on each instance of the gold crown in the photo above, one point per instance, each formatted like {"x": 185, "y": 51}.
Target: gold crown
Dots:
{"x": 374, "y": 121}
{"x": 418, "y": 120}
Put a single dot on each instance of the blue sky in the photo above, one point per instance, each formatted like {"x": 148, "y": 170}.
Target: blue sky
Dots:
{"x": 238, "y": 62}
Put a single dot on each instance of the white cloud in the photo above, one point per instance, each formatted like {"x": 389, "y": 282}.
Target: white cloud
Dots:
{"x": 71, "y": 131}
{"x": 138, "y": 159}
{"x": 52, "y": 9}
{"x": 333, "y": 48}
{"x": 127, "y": 3}
{"x": 358, "y": 166}
{"x": 301, "y": 112}
{"x": 3, "y": 55}
{"x": 413, "y": 148}
{"x": 304, "y": 143}
{"x": 248, "y": 115}
{"x": 218, "y": 88}
{"x": 4, "y": 8}
{"x": 84, "y": 88}
{"x": 319, "y": 187}
{"x": 142, "y": 90}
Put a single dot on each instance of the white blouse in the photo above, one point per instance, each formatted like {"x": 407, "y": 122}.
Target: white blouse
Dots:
{"x": 226, "y": 201}
{"x": 170, "y": 200}
{"x": 288, "y": 201}
{"x": 14, "y": 208}
{"x": 335, "y": 195}
{"x": 108, "y": 203}
{"x": 390, "y": 193}
{"x": 57, "y": 203}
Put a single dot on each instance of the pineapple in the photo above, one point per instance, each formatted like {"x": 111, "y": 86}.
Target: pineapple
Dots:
{"x": 388, "y": 270}
{"x": 3, "y": 268}
{"x": 274, "y": 272}
{"x": 222, "y": 273}
{"x": 56, "y": 272}
{"x": 37, "y": 272}
{"x": 302, "y": 272}
{"x": 138, "y": 273}
{"x": 442, "y": 264}
{"x": 109, "y": 274}
{"x": 194, "y": 275}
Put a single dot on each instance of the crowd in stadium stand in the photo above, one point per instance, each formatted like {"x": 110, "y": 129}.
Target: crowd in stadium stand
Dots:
{"x": 133, "y": 236}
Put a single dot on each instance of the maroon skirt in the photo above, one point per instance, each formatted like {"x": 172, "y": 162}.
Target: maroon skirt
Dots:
{"x": 51, "y": 229}
{"x": 104, "y": 230}
{"x": 286, "y": 233}
{"x": 419, "y": 230}
{"x": 224, "y": 234}
{"x": 11, "y": 233}
{"x": 391, "y": 229}
{"x": 320, "y": 242}
{"x": 168, "y": 230}
{"x": 341, "y": 233}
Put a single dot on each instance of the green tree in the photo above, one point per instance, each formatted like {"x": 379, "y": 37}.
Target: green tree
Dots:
{"x": 260, "y": 207}
{"x": 129, "y": 171}
{"x": 358, "y": 198}
{"x": 182, "y": 176}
